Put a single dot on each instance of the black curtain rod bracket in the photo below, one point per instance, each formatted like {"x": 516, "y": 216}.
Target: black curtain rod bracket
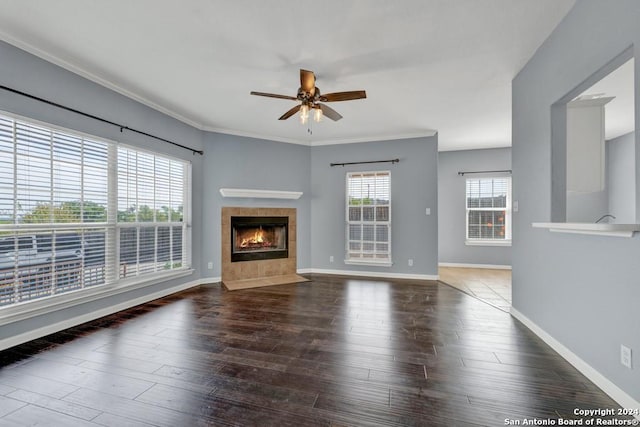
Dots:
{"x": 100, "y": 119}
{"x": 463, "y": 173}
{"x": 362, "y": 163}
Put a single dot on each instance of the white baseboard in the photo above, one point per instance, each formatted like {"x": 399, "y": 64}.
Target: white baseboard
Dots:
{"x": 463, "y": 265}
{"x": 384, "y": 275}
{"x": 74, "y": 321}
{"x": 206, "y": 280}
{"x": 617, "y": 394}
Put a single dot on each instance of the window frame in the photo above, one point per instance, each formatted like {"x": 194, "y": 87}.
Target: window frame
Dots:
{"x": 507, "y": 210}
{"x": 373, "y": 261}
{"x": 112, "y": 284}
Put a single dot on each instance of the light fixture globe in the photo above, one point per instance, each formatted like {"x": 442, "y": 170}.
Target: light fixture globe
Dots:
{"x": 304, "y": 113}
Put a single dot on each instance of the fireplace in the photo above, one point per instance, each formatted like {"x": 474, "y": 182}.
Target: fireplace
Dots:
{"x": 258, "y": 263}
{"x": 259, "y": 237}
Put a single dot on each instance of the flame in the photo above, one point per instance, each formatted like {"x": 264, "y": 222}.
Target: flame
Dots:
{"x": 258, "y": 237}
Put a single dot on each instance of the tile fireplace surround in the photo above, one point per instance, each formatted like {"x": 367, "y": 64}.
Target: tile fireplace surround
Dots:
{"x": 269, "y": 269}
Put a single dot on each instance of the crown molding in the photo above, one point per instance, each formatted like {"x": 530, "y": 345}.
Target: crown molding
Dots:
{"x": 236, "y": 132}
{"x": 321, "y": 142}
{"x": 372, "y": 138}
{"x": 65, "y": 64}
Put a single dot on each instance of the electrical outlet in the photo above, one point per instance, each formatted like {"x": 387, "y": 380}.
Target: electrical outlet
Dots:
{"x": 410, "y": 263}
{"x": 625, "y": 356}
{"x": 331, "y": 258}
{"x": 210, "y": 265}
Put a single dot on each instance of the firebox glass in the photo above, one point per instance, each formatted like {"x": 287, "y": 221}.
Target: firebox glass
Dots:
{"x": 259, "y": 238}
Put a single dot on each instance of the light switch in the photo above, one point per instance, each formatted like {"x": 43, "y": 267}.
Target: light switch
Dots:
{"x": 428, "y": 211}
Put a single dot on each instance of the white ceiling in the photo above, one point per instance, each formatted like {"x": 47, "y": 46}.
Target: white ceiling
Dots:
{"x": 427, "y": 65}
{"x": 620, "y": 112}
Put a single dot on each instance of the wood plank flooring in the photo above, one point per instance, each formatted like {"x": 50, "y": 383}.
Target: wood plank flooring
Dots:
{"x": 334, "y": 351}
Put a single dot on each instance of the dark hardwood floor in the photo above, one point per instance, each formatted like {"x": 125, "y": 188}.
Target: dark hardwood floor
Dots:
{"x": 335, "y": 351}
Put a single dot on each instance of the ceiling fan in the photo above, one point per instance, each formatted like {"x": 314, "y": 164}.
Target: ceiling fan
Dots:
{"x": 311, "y": 99}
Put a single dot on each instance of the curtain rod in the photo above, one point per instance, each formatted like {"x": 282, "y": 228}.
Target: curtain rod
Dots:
{"x": 499, "y": 171}
{"x": 362, "y": 163}
{"x": 100, "y": 119}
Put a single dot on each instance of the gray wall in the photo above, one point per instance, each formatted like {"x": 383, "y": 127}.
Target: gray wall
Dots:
{"x": 239, "y": 162}
{"x": 25, "y": 72}
{"x": 587, "y": 207}
{"x": 582, "y": 290}
{"x": 413, "y": 189}
{"x": 618, "y": 196}
{"x": 621, "y": 178}
{"x": 452, "y": 210}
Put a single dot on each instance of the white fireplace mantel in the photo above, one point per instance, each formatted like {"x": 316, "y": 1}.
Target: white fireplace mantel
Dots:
{"x": 263, "y": 194}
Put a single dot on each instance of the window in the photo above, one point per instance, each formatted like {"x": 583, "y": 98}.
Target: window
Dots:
{"x": 488, "y": 202}
{"x": 77, "y": 212}
{"x": 369, "y": 218}
{"x": 151, "y": 192}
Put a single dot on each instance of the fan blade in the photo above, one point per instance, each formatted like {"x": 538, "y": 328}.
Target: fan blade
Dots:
{"x": 308, "y": 81}
{"x": 290, "y": 113}
{"x": 343, "y": 96}
{"x": 330, "y": 112}
{"x": 273, "y": 95}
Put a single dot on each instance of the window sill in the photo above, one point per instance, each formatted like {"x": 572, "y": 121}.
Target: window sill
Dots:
{"x": 29, "y": 309}
{"x": 368, "y": 262}
{"x": 487, "y": 242}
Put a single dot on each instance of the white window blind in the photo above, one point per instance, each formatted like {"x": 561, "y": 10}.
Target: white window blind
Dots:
{"x": 61, "y": 205}
{"x": 488, "y": 202}
{"x": 369, "y": 217}
{"x": 151, "y": 200}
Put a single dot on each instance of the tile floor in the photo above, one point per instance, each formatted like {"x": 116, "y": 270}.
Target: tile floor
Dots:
{"x": 489, "y": 285}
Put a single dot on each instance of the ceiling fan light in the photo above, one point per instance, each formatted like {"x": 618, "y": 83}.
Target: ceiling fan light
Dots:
{"x": 304, "y": 113}
{"x": 317, "y": 114}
